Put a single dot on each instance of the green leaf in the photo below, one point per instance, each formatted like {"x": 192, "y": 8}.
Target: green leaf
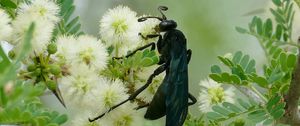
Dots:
{"x": 278, "y": 32}
{"x": 257, "y": 113}
{"x": 259, "y": 26}
{"x": 290, "y": 13}
{"x": 283, "y": 61}
{"x": 52, "y": 124}
{"x": 273, "y": 101}
{"x": 278, "y": 17}
{"x": 72, "y": 23}
{"x": 10, "y": 71}
{"x": 221, "y": 110}
{"x": 4, "y": 62}
{"x": 225, "y": 61}
{"x": 278, "y": 114}
{"x": 291, "y": 60}
{"x": 268, "y": 28}
{"x": 237, "y": 57}
{"x": 226, "y": 77}
{"x": 261, "y": 81}
{"x": 268, "y": 122}
{"x": 216, "y": 77}
{"x": 8, "y": 3}
{"x": 146, "y": 62}
{"x": 231, "y": 107}
{"x": 277, "y": 2}
{"x": 61, "y": 119}
{"x": 275, "y": 75}
{"x": 257, "y": 116}
{"x": 235, "y": 79}
{"x": 68, "y": 13}
{"x": 241, "y": 30}
{"x": 250, "y": 67}
{"x": 215, "y": 69}
{"x": 238, "y": 70}
{"x": 75, "y": 29}
{"x": 276, "y": 53}
{"x": 155, "y": 59}
{"x": 277, "y": 107}
{"x": 244, "y": 61}
{"x": 243, "y": 104}
{"x": 213, "y": 115}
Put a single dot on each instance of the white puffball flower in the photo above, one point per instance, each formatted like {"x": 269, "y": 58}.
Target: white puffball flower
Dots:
{"x": 212, "y": 93}
{"x": 149, "y": 27}
{"x": 91, "y": 52}
{"x": 80, "y": 119}
{"x": 66, "y": 48}
{"x": 44, "y": 14}
{"x": 125, "y": 115}
{"x": 119, "y": 28}
{"x": 112, "y": 92}
{"x": 45, "y": 9}
{"x": 42, "y": 31}
{"x": 82, "y": 50}
{"x": 79, "y": 89}
{"x": 5, "y": 27}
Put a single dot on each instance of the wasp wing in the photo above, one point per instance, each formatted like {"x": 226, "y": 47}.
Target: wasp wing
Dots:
{"x": 157, "y": 107}
{"x": 177, "y": 91}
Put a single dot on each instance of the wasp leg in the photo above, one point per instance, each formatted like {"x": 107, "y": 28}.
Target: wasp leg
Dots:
{"x": 149, "y": 36}
{"x": 189, "y": 55}
{"x": 156, "y": 72}
{"x": 142, "y": 106}
{"x": 194, "y": 100}
{"x": 152, "y": 44}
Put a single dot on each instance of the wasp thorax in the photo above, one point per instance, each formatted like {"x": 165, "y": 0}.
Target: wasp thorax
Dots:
{"x": 167, "y": 25}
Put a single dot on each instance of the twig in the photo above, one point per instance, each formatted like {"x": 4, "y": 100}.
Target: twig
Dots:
{"x": 292, "y": 98}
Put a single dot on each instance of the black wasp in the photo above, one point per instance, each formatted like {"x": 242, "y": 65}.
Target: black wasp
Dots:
{"x": 171, "y": 98}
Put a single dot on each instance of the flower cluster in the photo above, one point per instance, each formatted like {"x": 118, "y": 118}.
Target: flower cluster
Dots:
{"x": 212, "y": 93}
{"x": 73, "y": 66}
{"x": 44, "y": 13}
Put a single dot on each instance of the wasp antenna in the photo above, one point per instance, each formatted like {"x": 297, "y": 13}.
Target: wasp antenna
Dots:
{"x": 161, "y": 9}
{"x": 145, "y": 18}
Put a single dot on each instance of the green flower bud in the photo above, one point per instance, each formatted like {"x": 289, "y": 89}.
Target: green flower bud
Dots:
{"x": 51, "y": 85}
{"x": 55, "y": 69}
{"x": 11, "y": 54}
{"x": 31, "y": 67}
{"x": 37, "y": 72}
{"x": 52, "y": 48}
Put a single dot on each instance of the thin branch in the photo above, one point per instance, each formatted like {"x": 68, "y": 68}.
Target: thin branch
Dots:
{"x": 292, "y": 97}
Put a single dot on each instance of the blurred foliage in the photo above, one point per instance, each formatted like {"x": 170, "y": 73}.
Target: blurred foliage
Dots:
{"x": 22, "y": 106}
{"x": 67, "y": 25}
{"x": 280, "y": 51}
{"x": 19, "y": 101}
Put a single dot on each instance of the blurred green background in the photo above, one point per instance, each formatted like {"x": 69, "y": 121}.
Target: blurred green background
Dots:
{"x": 209, "y": 26}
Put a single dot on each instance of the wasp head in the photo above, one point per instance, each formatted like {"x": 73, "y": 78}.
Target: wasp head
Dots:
{"x": 165, "y": 24}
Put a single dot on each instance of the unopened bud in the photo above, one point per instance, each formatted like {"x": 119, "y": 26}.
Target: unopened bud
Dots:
{"x": 11, "y": 54}
{"x": 31, "y": 67}
{"x": 52, "y": 48}
{"x": 37, "y": 72}
{"x": 51, "y": 85}
{"x": 55, "y": 69}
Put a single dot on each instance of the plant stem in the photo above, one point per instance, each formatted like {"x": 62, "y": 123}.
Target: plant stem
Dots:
{"x": 258, "y": 93}
{"x": 292, "y": 98}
